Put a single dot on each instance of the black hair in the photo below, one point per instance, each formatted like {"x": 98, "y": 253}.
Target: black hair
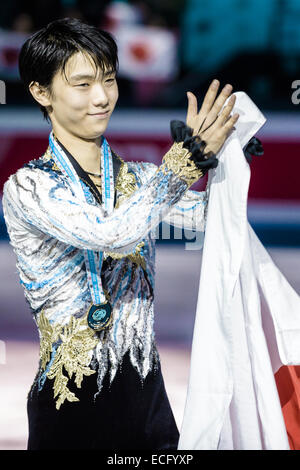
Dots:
{"x": 48, "y": 50}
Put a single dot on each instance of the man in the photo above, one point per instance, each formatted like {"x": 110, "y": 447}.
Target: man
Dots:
{"x": 81, "y": 222}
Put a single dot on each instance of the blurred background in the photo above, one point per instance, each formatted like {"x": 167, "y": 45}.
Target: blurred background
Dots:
{"x": 166, "y": 48}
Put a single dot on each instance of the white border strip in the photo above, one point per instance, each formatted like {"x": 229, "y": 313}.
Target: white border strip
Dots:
{"x": 144, "y": 122}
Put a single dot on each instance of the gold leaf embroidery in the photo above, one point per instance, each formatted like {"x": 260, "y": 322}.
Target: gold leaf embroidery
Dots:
{"x": 126, "y": 183}
{"x": 75, "y": 341}
{"x": 136, "y": 257}
{"x": 177, "y": 159}
{"x": 47, "y": 155}
{"x": 49, "y": 335}
{"x": 55, "y": 167}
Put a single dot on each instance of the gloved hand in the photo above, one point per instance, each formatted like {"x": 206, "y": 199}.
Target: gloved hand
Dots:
{"x": 182, "y": 133}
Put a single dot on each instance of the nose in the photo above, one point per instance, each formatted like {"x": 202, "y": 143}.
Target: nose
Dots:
{"x": 99, "y": 96}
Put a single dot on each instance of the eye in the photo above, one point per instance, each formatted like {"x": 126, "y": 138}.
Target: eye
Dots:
{"x": 109, "y": 80}
{"x": 83, "y": 84}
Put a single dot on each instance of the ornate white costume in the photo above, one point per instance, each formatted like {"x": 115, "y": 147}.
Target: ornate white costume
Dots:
{"x": 48, "y": 229}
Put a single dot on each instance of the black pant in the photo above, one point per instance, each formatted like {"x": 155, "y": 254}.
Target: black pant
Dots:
{"x": 125, "y": 415}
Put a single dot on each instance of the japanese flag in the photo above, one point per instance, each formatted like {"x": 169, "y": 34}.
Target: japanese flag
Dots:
{"x": 146, "y": 53}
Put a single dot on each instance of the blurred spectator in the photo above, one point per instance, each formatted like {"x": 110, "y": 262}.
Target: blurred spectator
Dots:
{"x": 93, "y": 10}
{"x": 8, "y": 11}
{"x": 121, "y": 14}
{"x": 161, "y": 13}
{"x": 10, "y": 44}
{"x": 23, "y": 23}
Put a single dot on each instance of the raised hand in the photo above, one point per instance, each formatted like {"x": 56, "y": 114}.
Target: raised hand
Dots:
{"x": 211, "y": 124}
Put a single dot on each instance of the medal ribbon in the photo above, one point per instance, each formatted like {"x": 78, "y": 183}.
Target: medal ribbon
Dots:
{"x": 93, "y": 267}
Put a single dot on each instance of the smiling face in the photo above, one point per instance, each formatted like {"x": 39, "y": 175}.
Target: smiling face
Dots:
{"x": 83, "y": 99}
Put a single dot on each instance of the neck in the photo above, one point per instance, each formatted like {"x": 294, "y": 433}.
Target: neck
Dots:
{"x": 86, "y": 152}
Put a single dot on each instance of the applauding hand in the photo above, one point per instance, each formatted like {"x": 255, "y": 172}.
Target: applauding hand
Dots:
{"x": 210, "y": 124}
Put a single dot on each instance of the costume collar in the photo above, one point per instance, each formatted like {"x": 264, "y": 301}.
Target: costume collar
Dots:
{"x": 82, "y": 174}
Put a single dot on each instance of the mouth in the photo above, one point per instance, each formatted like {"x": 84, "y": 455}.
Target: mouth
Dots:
{"x": 103, "y": 114}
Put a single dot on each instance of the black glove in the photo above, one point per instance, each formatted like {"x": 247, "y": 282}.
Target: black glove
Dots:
{"x": 181, "y": 132}
{"x": 254, "y": 147}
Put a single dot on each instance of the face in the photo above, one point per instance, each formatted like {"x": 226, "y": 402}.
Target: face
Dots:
{"x": 82, "y": 104}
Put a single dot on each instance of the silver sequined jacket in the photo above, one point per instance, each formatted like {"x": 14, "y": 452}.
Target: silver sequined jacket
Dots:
{"x": 48, "y": 228}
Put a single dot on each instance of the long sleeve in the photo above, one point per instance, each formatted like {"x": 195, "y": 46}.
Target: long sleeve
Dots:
{"x": 189, "y": 211}
{"x": 46, "y": 203}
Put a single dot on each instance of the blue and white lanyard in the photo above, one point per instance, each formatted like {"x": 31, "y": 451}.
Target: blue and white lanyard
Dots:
{"x": 93, "y": 267}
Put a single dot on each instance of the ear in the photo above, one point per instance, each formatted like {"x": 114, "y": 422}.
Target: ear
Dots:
{"x": 39, "y": 93}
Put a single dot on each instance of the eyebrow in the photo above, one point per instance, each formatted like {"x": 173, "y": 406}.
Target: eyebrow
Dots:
{"x": 83, "y": 76}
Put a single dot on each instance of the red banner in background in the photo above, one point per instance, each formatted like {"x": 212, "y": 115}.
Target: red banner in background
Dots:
{"x": 274, "y": 175}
